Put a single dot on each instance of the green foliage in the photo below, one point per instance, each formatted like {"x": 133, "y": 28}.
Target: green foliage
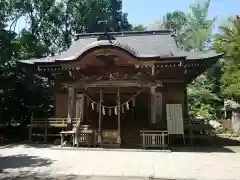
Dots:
{"x": 201, "y": 98}
{"x": 228, "y": 42}
{"x": 198, "y": 31}
{"x": 175, "y": 20}
{"x": 139, "y": 27}
{"x": 50, "y": 27}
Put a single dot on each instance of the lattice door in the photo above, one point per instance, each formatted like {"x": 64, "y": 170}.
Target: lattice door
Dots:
{"x": 174, "y": 119}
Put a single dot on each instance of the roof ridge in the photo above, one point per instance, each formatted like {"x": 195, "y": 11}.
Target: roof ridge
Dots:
{"x": 127, "y": 33}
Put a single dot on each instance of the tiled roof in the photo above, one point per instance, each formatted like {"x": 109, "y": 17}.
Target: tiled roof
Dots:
{"x": 144, "y": 44}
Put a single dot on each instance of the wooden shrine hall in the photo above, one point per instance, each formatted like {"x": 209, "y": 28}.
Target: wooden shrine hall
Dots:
{"x": 121, "y": 89}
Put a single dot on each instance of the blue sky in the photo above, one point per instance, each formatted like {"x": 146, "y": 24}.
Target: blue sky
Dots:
{"x": 145, "y": 12}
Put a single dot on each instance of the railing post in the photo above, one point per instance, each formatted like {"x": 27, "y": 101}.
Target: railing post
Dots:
{"x": 153, "y": 139}
{"x": 163, "y": 139}
{"x": 144, "y": 143}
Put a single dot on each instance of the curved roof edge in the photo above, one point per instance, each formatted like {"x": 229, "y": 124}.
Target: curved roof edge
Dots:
{"x": 102, "y": 44}
{"x": 126, "y": 33}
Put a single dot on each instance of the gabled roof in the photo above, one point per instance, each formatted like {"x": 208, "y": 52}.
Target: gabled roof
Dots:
{"x": 146, "y": 44}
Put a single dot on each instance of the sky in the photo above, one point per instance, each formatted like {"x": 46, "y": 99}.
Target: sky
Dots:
{"x": 145, "y": 12}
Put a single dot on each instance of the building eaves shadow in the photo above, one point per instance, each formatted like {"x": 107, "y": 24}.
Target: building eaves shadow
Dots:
{"x": 203, "y": 149}
{"x": 27, "y": 145}
{"x": 39, "y": 176}
{"x": 22, "y": 161}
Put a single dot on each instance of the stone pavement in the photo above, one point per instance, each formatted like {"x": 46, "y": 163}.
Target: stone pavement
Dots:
{"x": 26, "y": 162}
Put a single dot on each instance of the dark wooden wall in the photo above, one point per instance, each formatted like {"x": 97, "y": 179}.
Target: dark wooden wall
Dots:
{"x": 172, "y": 94}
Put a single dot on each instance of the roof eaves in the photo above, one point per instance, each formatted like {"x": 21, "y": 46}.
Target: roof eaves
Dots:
{"x": 216, "y": 56}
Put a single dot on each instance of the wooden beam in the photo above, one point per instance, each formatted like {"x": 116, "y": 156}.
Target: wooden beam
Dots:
{"x": 111, "y": 83}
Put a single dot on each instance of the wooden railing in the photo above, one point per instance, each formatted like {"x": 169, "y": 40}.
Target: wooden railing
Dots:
{"x": 153, "y": 138}
{"x": 54, "y": 122}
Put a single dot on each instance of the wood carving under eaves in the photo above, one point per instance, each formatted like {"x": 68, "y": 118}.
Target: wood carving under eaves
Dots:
{"x": 142, "y": 76}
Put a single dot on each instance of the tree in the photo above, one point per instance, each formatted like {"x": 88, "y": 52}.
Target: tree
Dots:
{"x": 139, "y": 27}
{"x": 175, "y": 20}
{"x": 195, "y": 38}
{"x": 201, "y": 98}
{"x": 157, "y": 25}
{"x": 228, "y": 42}
{"x": 55, "y": 23}
{"x": 50, "y": 27}
{"x": 198, "y": 31}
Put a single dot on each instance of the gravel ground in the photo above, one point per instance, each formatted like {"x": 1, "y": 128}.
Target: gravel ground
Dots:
{"x": 43, "y": 162}
{"x": 70, "y": 177}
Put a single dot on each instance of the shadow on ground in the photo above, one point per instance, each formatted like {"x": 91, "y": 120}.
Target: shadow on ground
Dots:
{"x": 26, "y": 144}
{"x": 38, "y": 176}
{"x": 214, "y": 144}
{"x": 22, "y": 161}
{"x": 200, "y": 149}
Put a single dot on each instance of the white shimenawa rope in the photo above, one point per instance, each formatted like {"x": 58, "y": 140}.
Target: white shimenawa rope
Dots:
{"x": 126, "y": 103}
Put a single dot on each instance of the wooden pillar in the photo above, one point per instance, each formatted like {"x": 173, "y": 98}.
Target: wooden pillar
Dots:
{"x": 153, "y": 105}
{"x": 30, "y": 128}
{"x": 79, "y": 114}
{"x": 119, "y": 118}
{"x": 46, "y": 130}
{"x": 30, "y": 79}
{"x": 133, "y": 109}
{"x": 45, "y": 134}
{"x": 185, "y": 102}
{"x": 80, "y": 98}
{"x": 185, "y": 114}
{"x": 100, "y": 118}
{"x": 70, "y": 107}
